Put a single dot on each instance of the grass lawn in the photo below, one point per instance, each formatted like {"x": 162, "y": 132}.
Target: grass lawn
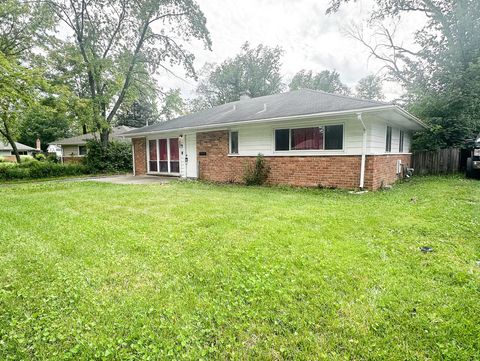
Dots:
{"x": 197, "y": 271}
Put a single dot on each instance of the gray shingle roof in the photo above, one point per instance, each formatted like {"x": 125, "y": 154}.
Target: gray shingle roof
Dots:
{"x": 116, "y": 134}
{"x": 20, "y": 146}
{"x": 294, "y": 103}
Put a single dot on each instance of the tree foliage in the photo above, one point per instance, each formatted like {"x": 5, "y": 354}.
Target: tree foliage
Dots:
{"x": 327, "y": 81}
{"x": 442, "y": 76}
{"x": 122, "y": 43}
{"x": 254, "y": 71}
{"x": 370, "y": 88}
{"x": 139, "y": 114}
{"x": 173, "y": 105}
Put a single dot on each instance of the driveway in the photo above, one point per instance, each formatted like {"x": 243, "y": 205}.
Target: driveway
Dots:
{"x": 130, "y": 179}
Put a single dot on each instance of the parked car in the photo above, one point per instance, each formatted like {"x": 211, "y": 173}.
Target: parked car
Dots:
{"x": 473, "y": 162}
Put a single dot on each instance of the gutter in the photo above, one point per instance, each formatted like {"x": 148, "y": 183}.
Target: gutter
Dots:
{"x": 364, "y": 151}
{"x": 265, "y": 120}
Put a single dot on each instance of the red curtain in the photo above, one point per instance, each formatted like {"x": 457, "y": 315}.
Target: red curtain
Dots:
{"x": 163, "y": 149}
{"x": 307, "y": 138}
{"x": 174, "y": 151}
{"x": 152, "y": 144}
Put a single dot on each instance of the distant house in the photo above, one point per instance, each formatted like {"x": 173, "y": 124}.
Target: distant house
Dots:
{"x": 308, "y": 138}
{"x": 6, "y": 150}
{"x": 75, "y": 148}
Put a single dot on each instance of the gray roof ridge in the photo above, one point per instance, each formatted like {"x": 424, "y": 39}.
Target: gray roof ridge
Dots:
{"x": 346, "y": 96}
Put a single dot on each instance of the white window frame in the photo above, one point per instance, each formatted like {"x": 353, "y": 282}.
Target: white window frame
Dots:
{"x": 157, "y": 145}
{"x": 296, "y": 151}
{"x": 386, "y": 139}
{"x": 401, "y": 141}
{"x": 230, "y": 142}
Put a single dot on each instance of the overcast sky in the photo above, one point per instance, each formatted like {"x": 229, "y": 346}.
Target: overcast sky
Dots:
{"x": 310, "y": 39}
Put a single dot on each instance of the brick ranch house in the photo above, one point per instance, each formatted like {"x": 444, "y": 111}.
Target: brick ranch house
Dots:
{"x": 308, "y": 138}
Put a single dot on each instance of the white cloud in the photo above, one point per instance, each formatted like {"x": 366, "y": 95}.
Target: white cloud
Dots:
{"x": 311, "y": 39}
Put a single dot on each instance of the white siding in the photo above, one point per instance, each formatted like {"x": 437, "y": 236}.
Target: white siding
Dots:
{"x": 378, "y": 138}
{"x": 70, "y": 150}
{"x": 255, "y": 139}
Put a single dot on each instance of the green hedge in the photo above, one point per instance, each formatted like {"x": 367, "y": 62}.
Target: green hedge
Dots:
{"x": 35, "y": 170}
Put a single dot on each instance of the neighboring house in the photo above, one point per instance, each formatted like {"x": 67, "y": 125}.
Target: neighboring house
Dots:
{"x": 6, "y": 150}
{"x": 309, "y": 138}
{"x": 75, "y": 148}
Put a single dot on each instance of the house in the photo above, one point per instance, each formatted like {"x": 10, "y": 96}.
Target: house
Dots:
{"x": 75, "y": 148}
{"x": 308, "y": 138}
{"x": 6, "y": 150}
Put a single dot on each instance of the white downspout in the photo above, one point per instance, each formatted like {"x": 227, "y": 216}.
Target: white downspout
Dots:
{"x": 364, "y": 151}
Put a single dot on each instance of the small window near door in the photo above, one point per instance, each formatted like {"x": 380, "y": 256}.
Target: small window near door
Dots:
{"x": 82, "y": 150}
{"x": 174, "y": 156}
{"x": 152, "y": 146}
{"x": 388, "y": 146}
{"x": 233, "y": 142}
{"x": 400, "y": 144}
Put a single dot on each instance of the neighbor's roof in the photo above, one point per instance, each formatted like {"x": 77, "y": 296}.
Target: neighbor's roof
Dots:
{"x": 295, "y": 103}
{"x": 20, "y": 146}
{"x": 115, "y": 133}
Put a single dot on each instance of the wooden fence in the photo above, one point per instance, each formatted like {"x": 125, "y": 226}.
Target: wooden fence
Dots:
{"x": 442, "y": 161}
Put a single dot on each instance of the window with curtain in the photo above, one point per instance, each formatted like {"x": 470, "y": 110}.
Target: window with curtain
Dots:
{"x": 162, "y": 145}
{"x": 174, "y": 156}
{"x": 329, "y": 137}
{"x": 152, "y": 146}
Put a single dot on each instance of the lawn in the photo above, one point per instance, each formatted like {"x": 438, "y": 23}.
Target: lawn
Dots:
{"x": 197, "y": 271}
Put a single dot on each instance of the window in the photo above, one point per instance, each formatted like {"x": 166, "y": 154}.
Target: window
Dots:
{"x": 82, "y": 150}
{"x": 388, "y": 146}
{"x": 329, "y": 137}
{"x": 233, "y": 142}
{"x": 282, "y": 139}
{"x": 164, "y": 156}
{"x": 174, "y": 156}
{"x": 162, "y": 144}
{"x": 152, "y": 146}
{"x": 400, "y": 144}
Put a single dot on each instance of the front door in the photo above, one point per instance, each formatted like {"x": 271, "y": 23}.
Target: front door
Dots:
{"x": 191, "y": 156}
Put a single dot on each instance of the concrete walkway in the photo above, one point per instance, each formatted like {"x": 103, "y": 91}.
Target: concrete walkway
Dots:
{"x": 130, "y": 179}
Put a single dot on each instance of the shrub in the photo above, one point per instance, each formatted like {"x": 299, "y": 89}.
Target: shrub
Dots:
{"x": 40, "y": 157}
{"x": 35, "y": 170}
{"x": 52, "y": 158}
{"x": 116, "y": 157}
{"x": 257, "y": 173}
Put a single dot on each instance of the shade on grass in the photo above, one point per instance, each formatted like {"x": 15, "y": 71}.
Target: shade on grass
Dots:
{"x": 191, "y": 271}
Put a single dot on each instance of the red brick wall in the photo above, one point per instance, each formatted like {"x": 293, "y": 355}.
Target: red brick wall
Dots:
{"x": 327, "y": 171}
{"x": 381, "y": 170}
{"x": 140, "y": 155}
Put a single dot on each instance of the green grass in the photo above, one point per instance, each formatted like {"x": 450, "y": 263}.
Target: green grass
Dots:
{"x": 197, "y": 271}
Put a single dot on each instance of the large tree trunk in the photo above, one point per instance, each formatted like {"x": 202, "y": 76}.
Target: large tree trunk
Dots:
{"x": 6, "y": 134}
{"x": 104, "y": 135}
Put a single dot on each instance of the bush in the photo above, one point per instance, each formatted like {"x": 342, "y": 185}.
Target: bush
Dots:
{"x": 257, "y": 173}
{"x": 35, "y": 170}
{"x": 116, "y": 157}
{"x": 40, "y": 157}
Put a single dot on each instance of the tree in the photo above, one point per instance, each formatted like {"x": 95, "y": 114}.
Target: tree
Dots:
{"x": 370, "y": 88}
{"x": 17, "y": 93}
{"x": 442, "y": 74}
{"x": 121, "y": 42}
{"x": 139, "y": 114}
{"x": 173, "y": 105}
{"x": 327, "y": 81}
{"x": 22, "y": 23}
{"x": 254, "y": 71}
{"x": 47, "y": 119}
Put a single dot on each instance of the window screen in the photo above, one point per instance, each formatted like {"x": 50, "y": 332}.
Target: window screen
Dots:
{"x": 334, "y": 137}
{"x": 282, "y": 139}
{"x": 233, "y": 142}
{"x": 388, "y": 146}
{"x": 400, "y": 145}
